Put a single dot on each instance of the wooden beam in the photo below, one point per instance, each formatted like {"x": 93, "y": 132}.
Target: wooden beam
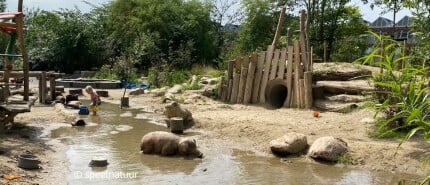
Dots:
{"x": 279, "y": 26}
{"x": 258, "y": 76}
{"x": 52, "y": 87}
{"x": 274, "y": 65}
{"x": 297, "y": 73}
{"x": 289, "y": 76}
{"x": 302, "y": 39}
{"x": 281, "y": 64}
{"x": 250, "y": 79}
{"x": 308, "y": 90}
{"x": 220, "y": 87}
{"x": 269, "y": 55}
{"x": 243, "y": 77}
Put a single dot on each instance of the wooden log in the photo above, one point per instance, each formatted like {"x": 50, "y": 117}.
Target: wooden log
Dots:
{"x": 224, "y": 90}
{"x": 293, "y": 100}
{"x": 125, "y": 102}
{"x": 289, "y": 76}
{"x": 274, "y": 65}
{"x": 302, "y": 93}
{"x": 234, "y": 91}
{"x": 268, "y": 60}
{"x": 302, "y": 39}
{"x": 258, "y": 74}
{"x": 243, "y": 77}
{"x": 75, "y": 91}
{"x": 230, "y": 71}
{"x": 52, "y": 88}
{"x": 177, "y": 125}
{"x": 103, "y": 93}
{"x": 229, "y": 89}
{"x": 311, "y": 60}
{"x": 250, "y": 79}
{"x": 279, "y": 26}
{"x": 220, "y": 87}
{"x": 308, "y": 89}
{"x": 42, "y": 87}
{"x": 281, "y": 64}
{"x": 297, "y": 73}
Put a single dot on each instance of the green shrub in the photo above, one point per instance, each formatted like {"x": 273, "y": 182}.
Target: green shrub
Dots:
{"x": 406, "y": 104}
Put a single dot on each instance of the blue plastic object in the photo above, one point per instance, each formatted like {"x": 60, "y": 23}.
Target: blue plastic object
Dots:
{"x": 83, "y": 110}
{"x": 144, "y": 86}
{"x": 131, "y": 85}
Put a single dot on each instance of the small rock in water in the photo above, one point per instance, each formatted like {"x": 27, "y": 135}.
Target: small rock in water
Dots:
{"x": 126, "y": 114}
{"x": 113, "y": 132}
{"x": 123, "y": 128}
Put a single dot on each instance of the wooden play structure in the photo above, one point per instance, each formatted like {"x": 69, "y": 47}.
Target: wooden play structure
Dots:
{"x": 278, "y": 77}
{"x": 12, "y": 23}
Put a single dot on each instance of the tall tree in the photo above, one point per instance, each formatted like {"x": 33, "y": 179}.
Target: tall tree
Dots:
{"x": 181, "y": 32}
{"x": 226, "y": 15}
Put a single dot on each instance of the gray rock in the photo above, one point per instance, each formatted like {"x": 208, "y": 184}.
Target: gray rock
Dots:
{"x": 137, "y": 91}
{"x": 328, "y": 148}
{"x": 176, "y": 89}
{"x": 290, "y": 143}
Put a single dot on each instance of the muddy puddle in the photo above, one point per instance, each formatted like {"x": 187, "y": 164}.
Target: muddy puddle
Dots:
{"x": 115, "y": 134}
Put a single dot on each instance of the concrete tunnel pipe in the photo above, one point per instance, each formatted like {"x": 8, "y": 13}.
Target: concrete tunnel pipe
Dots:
{"x": 276, "y": 93}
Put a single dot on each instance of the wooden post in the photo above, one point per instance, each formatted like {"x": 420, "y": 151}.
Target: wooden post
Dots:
{"x": 125, "y": 102}
{"x": 250, "y": 79}
{"x": 281, "y": 64}
{"x": 308, "y": 90}
{"x": 177, "y": 125}
{"x": 265, "y": 77}
{"x": 220, "y": 87}
{"x": 303, "y": 47}
{"x": 230, "y": 71}
{"x": 274, "y": 66}
{"x": 289, "y": 76}
{"x": 297, "y": 72}
{"x": 258, "y": 74}
{"x": 242, "y": 81}
{"x": 302, "y": 93}
{"x": 42, "y": 87}
{"x": 234, "y": 91}
{"x": 279, "y": 26}
{"x": 52, "y": 88}
{"x": 229, "y": 89}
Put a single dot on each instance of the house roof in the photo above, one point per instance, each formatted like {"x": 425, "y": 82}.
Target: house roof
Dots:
{"x": 382, "y": 22}
{"x": 406, "y": 21}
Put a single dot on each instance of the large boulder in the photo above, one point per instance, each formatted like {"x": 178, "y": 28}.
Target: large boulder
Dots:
{"x": 328, "y": 148}
{"x": 173, "y": 109}
{"x": 290, "y": 143}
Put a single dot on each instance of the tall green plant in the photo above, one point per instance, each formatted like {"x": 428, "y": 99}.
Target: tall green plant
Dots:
{"x": 406, "y": 105}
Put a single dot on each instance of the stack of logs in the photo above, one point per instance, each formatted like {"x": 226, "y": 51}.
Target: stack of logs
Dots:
{"x": 248, "y": 76}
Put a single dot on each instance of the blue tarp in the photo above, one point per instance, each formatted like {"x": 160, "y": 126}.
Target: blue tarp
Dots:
{"x": 133, "y": 85}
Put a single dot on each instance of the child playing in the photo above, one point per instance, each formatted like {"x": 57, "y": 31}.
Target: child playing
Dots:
{"x": 95, "y": 99}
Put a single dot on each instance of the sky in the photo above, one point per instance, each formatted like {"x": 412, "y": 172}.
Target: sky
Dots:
{"x": 368, "y": 14}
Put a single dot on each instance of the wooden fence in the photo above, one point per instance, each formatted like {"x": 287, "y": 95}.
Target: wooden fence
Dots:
{"x": 248, "y": 76}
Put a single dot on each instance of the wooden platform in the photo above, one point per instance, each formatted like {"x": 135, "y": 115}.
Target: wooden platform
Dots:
{"x": 11, "y": 109}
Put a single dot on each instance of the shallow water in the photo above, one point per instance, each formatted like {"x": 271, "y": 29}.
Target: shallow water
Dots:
{"x": 115, "y": 134}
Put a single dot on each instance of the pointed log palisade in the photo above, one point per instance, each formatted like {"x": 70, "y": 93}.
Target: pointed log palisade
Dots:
{"x": 256, "y": 79}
